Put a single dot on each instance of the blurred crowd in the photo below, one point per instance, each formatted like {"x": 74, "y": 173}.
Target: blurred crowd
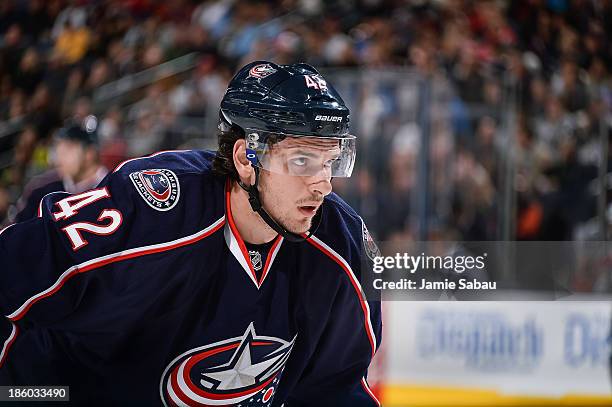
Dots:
{"x": 519, "y": 108}
{"x": 520, "y": 88}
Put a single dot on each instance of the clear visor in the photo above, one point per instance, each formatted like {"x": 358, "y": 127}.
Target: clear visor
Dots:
{"x": 302, "y": 156}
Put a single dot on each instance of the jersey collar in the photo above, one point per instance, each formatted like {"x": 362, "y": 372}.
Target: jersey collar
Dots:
{"x": 237, "y": 247}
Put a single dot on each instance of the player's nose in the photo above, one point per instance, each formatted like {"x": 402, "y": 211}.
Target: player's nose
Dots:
{"x": 320, "y": 185}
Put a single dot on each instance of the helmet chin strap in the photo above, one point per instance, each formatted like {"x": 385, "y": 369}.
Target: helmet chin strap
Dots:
{"x": 256, "y": 205}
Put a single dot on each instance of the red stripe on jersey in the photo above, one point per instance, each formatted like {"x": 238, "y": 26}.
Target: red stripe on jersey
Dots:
{"x": 271, "y": 254}
{"x": 367, "y": 389}
{"x": 113, "y": 258}
{"x": 8, "y": 343}
{"x": 234, "y": 229}
{"x": 362, "y": 301}
{"x": 245, "y": 253}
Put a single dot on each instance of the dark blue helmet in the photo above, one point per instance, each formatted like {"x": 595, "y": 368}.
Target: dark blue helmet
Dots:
{"x": 85, "y": 132}
{"x": 288, "y": 99}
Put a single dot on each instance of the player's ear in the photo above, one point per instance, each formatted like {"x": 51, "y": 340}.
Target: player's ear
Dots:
{"x": 242, "y": 164}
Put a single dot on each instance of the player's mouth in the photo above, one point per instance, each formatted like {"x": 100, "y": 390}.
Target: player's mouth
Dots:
{"x": 308, "y": 210}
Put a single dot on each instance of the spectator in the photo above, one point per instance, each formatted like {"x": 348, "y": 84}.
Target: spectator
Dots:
{"x": 99, "y": 74}
{"x": 551, "y": 59}
{"x": 73, "y": 42}
{"x": 73, "y": 17}
{"x": 42, "y": 111}
{"x": 13, "y": 47}
{"x": 30, "y": 71}
{"x": 73, "y": 90}
{"x": 569, "y": 87}
{"x": 76, "y": 169}
{"x": 146, "y": 135}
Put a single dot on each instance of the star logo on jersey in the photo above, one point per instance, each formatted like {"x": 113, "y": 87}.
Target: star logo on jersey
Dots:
{"x": 255, "y": 259}
{"x": 244, "y": 369}
{"x": 261, "y": 71}
{"x": 159, "y": 188}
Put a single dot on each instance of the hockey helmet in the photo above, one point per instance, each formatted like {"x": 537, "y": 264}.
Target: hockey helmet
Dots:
{"x": 271, "y": 103}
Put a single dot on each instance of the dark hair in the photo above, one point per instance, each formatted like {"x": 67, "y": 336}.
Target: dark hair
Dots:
{"x": 223, "y": 163}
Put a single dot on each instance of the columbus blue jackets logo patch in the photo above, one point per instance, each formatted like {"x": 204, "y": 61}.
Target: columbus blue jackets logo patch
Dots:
{"x": 159, "y": 188}
{"x": 261, "y": 71}
{"x": 245, "y": 369}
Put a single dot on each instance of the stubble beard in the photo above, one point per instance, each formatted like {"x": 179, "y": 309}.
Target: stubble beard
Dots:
{"x": 272, "y": 205}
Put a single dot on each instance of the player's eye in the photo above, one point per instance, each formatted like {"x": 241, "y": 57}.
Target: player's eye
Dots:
{"x": 300, "y": 165}
{"x": 299, "y": 161}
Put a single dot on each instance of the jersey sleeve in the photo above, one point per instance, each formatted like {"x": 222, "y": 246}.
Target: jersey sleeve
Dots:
{"x": 27, "y": 206}
{"x": 338, "y": 368}
{"x": 46, "y": 254}
{"x": 66, "y": 270}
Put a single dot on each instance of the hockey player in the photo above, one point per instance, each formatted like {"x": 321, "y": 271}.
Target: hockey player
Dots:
{"x": 77, "y": 166}
{"x": 189, "y": 278}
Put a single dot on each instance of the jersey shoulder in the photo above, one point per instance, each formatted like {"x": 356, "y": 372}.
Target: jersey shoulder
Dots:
{"x": 34, "y": 191}
{"x": 340, "y": 221}
{"x": 144, "y": 201}
{"x": 178, "y": 161}
{"x": 170, "y": 181}
{"x": 345, "y": 232}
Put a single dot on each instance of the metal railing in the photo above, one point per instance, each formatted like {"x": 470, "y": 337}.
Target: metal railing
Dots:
{"x": 116, "y": 91}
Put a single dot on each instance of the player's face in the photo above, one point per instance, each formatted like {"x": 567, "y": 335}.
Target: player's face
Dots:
{"x": 69, "y": 156}
{"x": 293, "y": 200}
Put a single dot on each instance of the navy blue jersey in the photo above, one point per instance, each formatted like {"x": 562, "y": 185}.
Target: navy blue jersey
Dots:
{"x": 41, "y": 185}
{"x": 142, "y": 292}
